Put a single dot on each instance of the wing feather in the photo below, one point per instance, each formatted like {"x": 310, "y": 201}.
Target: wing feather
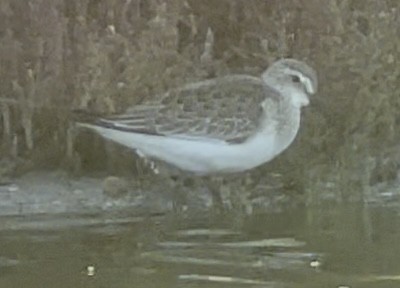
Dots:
{"x": 228, "y": 109}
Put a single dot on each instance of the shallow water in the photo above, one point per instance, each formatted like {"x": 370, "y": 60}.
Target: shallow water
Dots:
{"x": 333, "y": 246}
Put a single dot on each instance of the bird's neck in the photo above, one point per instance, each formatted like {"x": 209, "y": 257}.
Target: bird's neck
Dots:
{"x": 288, "y": 125}
{"x": 296, "y": 96}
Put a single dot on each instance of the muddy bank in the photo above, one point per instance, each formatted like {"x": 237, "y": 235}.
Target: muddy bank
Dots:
{"x": 56, "y": 193}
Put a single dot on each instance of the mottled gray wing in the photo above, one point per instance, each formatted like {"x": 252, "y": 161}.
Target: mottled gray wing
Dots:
{"x": 227, "y": 109}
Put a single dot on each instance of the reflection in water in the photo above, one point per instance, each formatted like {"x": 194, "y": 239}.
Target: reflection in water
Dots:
{"x": 326, "y": 247}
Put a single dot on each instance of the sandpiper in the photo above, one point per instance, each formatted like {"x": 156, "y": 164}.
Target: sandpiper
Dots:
{"x": 222, "y": 125}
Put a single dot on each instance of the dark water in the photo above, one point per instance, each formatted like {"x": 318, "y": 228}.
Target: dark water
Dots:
{"x": 333, "y": 246}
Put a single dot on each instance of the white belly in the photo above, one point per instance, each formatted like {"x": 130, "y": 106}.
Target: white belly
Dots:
{"x": 197, "y": 155}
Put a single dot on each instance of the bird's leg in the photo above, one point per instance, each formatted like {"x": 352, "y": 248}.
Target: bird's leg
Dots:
{"x": 231, "y": 197}
{"x": 179, "y": 195}
{"x": 214, "y": 185}
{"x": 185, "y": 184}
{"x": 240, "y": 190}
{"x": 173, "y": 183}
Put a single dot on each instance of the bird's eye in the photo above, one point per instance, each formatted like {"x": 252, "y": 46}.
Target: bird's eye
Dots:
{"x": 295, "y": 78}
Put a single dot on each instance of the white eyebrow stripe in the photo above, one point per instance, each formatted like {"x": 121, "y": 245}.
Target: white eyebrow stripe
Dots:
{"x": 305, "y": 80}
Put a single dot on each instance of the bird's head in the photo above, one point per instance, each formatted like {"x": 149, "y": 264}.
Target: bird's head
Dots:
{"x": 293, "y": 79}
